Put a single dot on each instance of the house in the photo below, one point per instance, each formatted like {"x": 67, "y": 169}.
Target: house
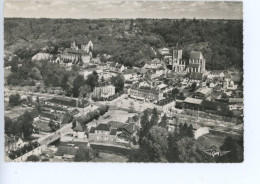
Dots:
{"x": 145, "y": 93}
{"x": 102, "y": 133}
{"x": 41, "y": 56}
{"x": 164, "y": 51}
{"x": 197, "y": 62}
{"x": 154, "y": 64}
{"x": 103, "y": 90}
{"x": 129, "y": 129}
{"x": 79, "y": 132}
{"x": 130, "y": 74}
{"x": 202, "y": 93}
{"x": 214, "y": 74}
{"x": 192, "y": 103}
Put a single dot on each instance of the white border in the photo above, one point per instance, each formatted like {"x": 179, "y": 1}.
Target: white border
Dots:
{"x": 245, "y": 173}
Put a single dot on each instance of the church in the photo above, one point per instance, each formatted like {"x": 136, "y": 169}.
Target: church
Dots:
{"x": 75, "y": 55}
{"x": 195, "y": 64}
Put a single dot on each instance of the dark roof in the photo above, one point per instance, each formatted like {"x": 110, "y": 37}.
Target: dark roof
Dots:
{"x": 113, "y": 132}
{"x": 195, "y": 55}
{"x": 213, "y": 105}
{"x": 92, "y": 130}
{"x": 130, "y": 128}
{"x": 115, "y": 124}
{"x": 69, "y": 50}
{"x": 78, "y": 128}
{"x": 103, "y": 127}
{"x": 235, "y": 100}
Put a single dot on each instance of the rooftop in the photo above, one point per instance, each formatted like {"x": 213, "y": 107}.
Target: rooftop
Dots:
{"x": 196, "y": 55}
{"x": 103, "y": 127}
{"x": 193, "y": 100}
{"x": 203, "y": 90}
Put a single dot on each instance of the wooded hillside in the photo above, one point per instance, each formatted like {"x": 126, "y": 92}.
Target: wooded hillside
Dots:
{"x": 129, "y": 41}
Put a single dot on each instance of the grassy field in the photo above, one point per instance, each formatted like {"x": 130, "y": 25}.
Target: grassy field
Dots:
{"x": 208, "y": 140}
{"x": 108, "y": 157}
{"x": 43, "y": 125}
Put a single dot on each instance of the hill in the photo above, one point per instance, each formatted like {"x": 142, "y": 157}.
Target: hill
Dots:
{"x": 129, "y": 41}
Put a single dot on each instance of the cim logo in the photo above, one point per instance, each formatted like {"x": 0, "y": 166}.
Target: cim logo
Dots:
{"x": 213, "y": 152}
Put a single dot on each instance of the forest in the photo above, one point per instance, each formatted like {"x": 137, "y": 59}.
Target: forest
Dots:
{"x": 129, "y": 41}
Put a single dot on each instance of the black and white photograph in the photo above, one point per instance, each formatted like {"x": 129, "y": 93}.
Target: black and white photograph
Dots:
{"x": 123, "y": 81}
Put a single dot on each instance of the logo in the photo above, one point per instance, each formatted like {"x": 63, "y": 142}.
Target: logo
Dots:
{"x": 213, "y": 152}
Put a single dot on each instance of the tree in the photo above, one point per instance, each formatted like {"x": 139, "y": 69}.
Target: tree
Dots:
{"x": 156, "y": 144}
{"x": 8, "y": 126}
{"x": 53, "y": 125}
{"x": 234, "y": 150}
{"x": 92, "y": 81}
{"x": 84, "y": 91}
{"x": 35, "y": 73}
{"x": 67, "y": 118}
{"x": 67, "y": 84}
{"x": 102, "y": 79}
{"x": 33, "y": 158}
{"x": 145, "y": 125}
{"x": 188, "y": 151}
{"x": 119, "y": 82}
{"x": 25, "y": 121}
{"x": 77, "y": 83}
{"x": 15, "y": 100}
{"x": 154, "y": 118}
{"x": 38, "y": 107}
{"x": 163, "y": 122}
{"x": 139, "y": 155}
{"x": 83, "y": 155}
{"x": 14, "y": 64}
{"x": 173, "y": 154}
{"x": 190, "y": 132}
{"x": 74, "y": 123}
{"x": 193, "y": 86}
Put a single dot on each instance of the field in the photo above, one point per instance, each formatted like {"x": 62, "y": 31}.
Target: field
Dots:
{"x": 108, "y": 157}
{"x": 43, "y": 125}
{"x": 209, "y": 140}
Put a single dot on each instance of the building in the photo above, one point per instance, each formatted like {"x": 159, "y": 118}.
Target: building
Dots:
{"x": 197, "y": 63}
{"x": 76, "y": 55}
{"x": 146, "y": 93}
{"x": 79, "y": 132}
{"x": 41, "y": 56}
{"x": 103, "y": 90}
{"x": 102, "y": 133}
{"x": 202, "y": 93}
{"x": 192, "y": 103}
{"x": 178, "y": 64}
{"x": 164, "y": 51}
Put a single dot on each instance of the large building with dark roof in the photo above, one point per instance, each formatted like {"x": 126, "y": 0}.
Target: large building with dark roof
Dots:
{"x": 76, "y": 55}
{"x": 197, "y": 63}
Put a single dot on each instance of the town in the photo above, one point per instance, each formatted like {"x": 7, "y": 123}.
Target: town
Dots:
{"x": 76, "y": 104}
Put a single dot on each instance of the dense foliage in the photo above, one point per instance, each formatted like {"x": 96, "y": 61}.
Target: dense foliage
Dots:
{"x": 22, "y": 126}
{"x": 131, "y": 42}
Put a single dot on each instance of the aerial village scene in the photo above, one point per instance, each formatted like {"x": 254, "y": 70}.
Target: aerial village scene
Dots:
{"x": 123, "y": 90}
